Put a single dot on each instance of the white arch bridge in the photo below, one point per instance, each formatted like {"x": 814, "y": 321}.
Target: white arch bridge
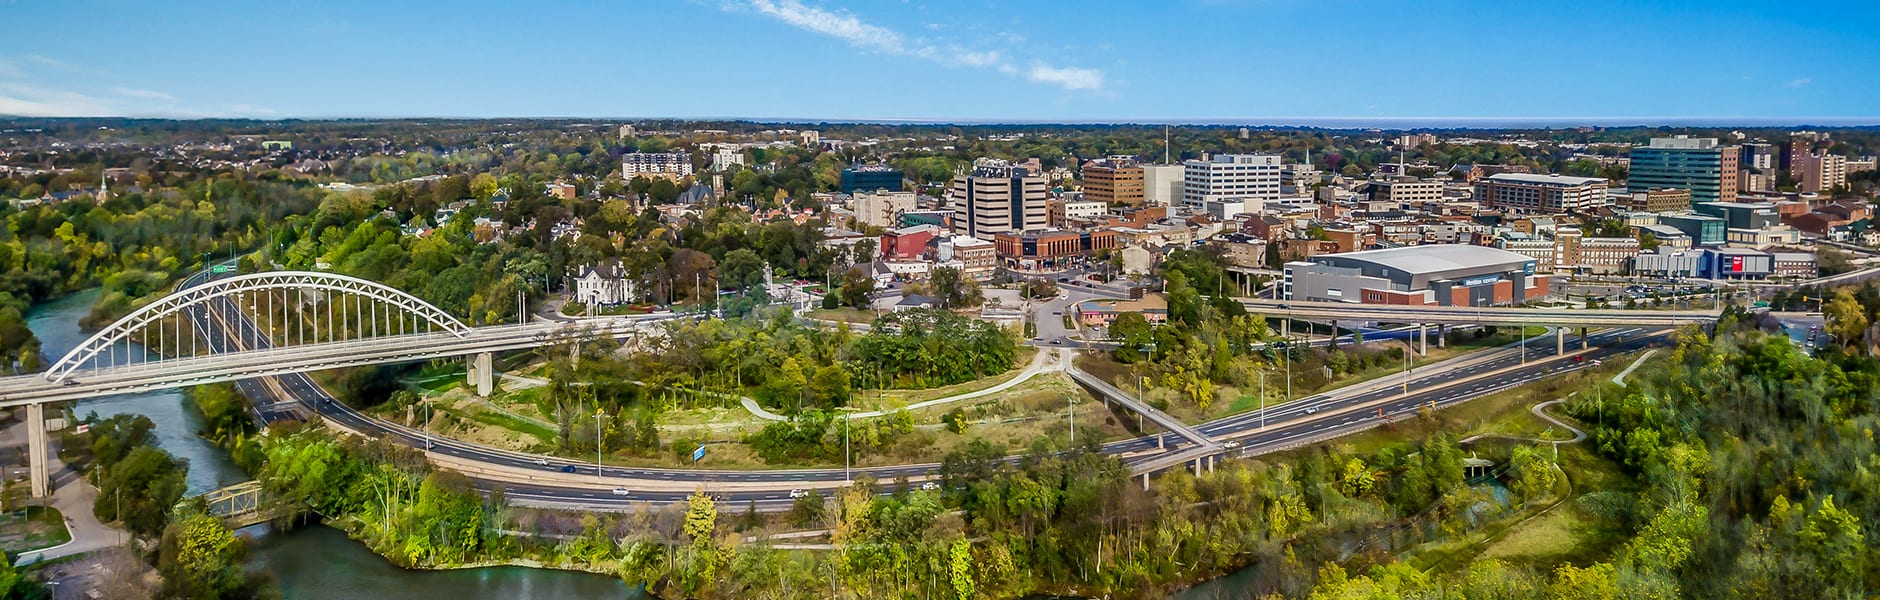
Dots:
{"x": 268, "y": 324}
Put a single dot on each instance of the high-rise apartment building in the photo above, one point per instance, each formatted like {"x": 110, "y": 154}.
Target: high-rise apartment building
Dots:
{"x": 668, "y": 165}
{"x": 1231, "y": 177}
{"x": 1541, "y": 193}
{"x": 1821, "y": 172}
{"x": 997, "y": 197}
{"x": 1701, "y": 165}
{"x": 1113, "y": 180}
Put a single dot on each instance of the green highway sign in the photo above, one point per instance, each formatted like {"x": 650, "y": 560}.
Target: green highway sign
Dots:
{"x": 222, "y": 269}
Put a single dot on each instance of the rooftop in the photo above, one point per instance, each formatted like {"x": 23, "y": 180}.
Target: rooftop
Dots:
{"x": 1430, "y": 258}
{"x": 1554, "y": 179}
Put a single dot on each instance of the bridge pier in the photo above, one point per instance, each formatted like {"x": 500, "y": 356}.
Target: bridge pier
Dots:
{"x": 36, "y": 449}
{"x": 1145, "y": 482}
{"x": 1442, "y": 336}
{"x": 1583, "y": 341}
{"x": 1423, "y": 339}
{"x": 481, "y": 372}
{"x": 1560, "y": 341}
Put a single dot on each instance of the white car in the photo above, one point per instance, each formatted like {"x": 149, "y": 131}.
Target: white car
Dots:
{"x": 1230, "y": 444}
{"x": 930, "y": 485}
{"x": 542, "y": 461}
{"x": 798, "y": 493}
{"x": 620, "y": 491}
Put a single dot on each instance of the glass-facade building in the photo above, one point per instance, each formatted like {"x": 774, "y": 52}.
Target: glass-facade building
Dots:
{"x": 1696, "y": 164}
{"x": 868, "y": 178}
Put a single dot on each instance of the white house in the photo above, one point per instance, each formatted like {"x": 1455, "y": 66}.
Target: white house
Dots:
{"x": 602, "y": 285}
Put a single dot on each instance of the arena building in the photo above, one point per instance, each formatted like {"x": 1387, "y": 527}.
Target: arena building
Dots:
{"x": 1433, "y": 274}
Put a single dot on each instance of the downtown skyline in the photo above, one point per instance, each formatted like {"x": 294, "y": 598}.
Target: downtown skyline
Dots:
{"x": 1220, "y": 61}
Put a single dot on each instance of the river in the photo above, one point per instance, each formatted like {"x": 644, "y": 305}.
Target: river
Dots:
{"x": 311, "y": 563}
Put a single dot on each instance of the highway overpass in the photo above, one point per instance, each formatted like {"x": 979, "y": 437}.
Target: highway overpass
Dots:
{"x": 1475, "y": 315}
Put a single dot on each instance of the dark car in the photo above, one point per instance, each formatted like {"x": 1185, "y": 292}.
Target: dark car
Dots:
{"x": 567, "y": 468}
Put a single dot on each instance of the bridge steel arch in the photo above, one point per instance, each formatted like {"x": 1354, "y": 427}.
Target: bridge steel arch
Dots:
{"x": 232, "y": 287}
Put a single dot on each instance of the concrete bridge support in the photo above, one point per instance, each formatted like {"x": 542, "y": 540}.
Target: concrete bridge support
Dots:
{"x": 1442, "y": 336}
{"x": 36, "y": 449}
{"x": 1423, "y": 340}
{"x": 1560, "y": 341}
{"x": 1583, "y": 341}
{"x": 481, "y": 372}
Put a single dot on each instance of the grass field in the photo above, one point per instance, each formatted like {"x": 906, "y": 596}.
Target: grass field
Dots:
{"x": 32, "y": 528}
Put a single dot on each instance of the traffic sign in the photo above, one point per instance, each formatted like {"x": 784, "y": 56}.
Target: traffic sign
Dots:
{"x": 219, "y": 269}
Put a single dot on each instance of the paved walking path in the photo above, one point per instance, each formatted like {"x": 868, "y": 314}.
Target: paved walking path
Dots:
{"x": 1620, "y": 378}
{"x": 1041, "y": 363}
{"x": 73, "y": 496}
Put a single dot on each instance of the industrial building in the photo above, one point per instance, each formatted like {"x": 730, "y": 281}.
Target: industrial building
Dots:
{"x": 1437, "y": 274}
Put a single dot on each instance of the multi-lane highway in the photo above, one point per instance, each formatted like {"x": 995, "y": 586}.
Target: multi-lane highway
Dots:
{"x": 543, "y": 480}
{"x": 1476, "y": 315}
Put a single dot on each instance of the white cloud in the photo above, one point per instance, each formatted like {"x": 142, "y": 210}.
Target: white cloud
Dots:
{"x": 1070, "y": 78}
{"x": 844, "y": 27}
{"x": 142, "y": 94}
{"x": 1795, "y": 83}
{"x": 24, "y": 100}
{"x": 861, "y": 34}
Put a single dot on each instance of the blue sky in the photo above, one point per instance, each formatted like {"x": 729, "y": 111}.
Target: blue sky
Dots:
{"x": 928, "y": 59}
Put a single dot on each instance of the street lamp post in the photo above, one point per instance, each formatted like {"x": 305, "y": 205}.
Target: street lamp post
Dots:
{"x": 598, "y": 415}
{"x": 1073, "y": 410}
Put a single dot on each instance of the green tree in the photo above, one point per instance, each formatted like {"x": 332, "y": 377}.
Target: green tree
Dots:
{"x": 960, "y": 569}
{"x": 1847, "y": 319}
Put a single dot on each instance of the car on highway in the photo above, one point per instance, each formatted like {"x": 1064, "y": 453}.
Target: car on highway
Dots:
{"x": 542, "y": 461}
{"x": 620, "y": 491}
{"x": 1312, "y": 409}
{"x": 567, "y": 468}
{"x": 1230, "y": 444}
{"x": 798, "y": 493}
{"x": 930, "y": 485}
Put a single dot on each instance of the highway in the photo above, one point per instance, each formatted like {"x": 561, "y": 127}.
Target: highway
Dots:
{"x": 1475, "y": 315}
{"x": 540, "y": 480}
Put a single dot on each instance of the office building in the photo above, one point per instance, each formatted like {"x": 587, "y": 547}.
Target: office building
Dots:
{"x": 1437, "y": 274}
{"x": 868, "y": 178}
{"x": 1756, "y": 167}
{"x": 1540, "y": 193}
{"x": 1742, "y": 215}
{"x": 1705, "y": 230}
{"x": 665, "y": 165}
{"x": 1113, "y": 180}
{"x": 1162, "y": 184}
{"x": 882, "y": 208}
{"x": 1405, "y": 191}
{"x": 1231, "y": 177}
{"x": 1060, "y": 212}
{"x": 1701, "y": 165}
{"x": 1661, "y": 200}
{"x": 997, "y": 197}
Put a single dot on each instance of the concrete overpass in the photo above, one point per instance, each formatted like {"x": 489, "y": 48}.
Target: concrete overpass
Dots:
{"x": 1476, "y": 315}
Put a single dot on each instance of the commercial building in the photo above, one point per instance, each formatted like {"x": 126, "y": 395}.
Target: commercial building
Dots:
{"x": 1741, "y": 215}
{"x": 1794, "y": 265}
{"x": 1404, "y": 191}
{"x": 1439, "y": 274}
{"x": 868, "y": 178}
{"x": 1705, "y": 230}
{"x": 974, "y": 257}
{"x": 1756, "y": 167}
{"x": 997, "y": 197}
{"x": 1051, "y": 250}
{"x": 1162, "y": 184}
{"x": 664, "y": 165}
{"x": 1102, "y": 312}
{"x": 1661, "y": 200}
{"x": 1701, "y": 165}
{"x": 1605, "y": 254}
{"x": 1540, "y": 193}
{"x": 907, "y": 242}
{"x": 1736, "y": 263}
{"x": 1059, "y": 212}
{"x": 882, "y": 208}
{"x": 1231, "y": 177}
{"x": 1113, "y": 180}
{"x": 1668, "y": 263}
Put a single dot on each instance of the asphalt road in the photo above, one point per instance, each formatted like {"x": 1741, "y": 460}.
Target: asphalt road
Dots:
{"x": 542, "y": 480}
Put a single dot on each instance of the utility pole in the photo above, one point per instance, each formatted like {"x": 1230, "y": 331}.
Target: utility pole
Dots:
{"x": 598, "y": 415}
{"x": 1263, "y": 398}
